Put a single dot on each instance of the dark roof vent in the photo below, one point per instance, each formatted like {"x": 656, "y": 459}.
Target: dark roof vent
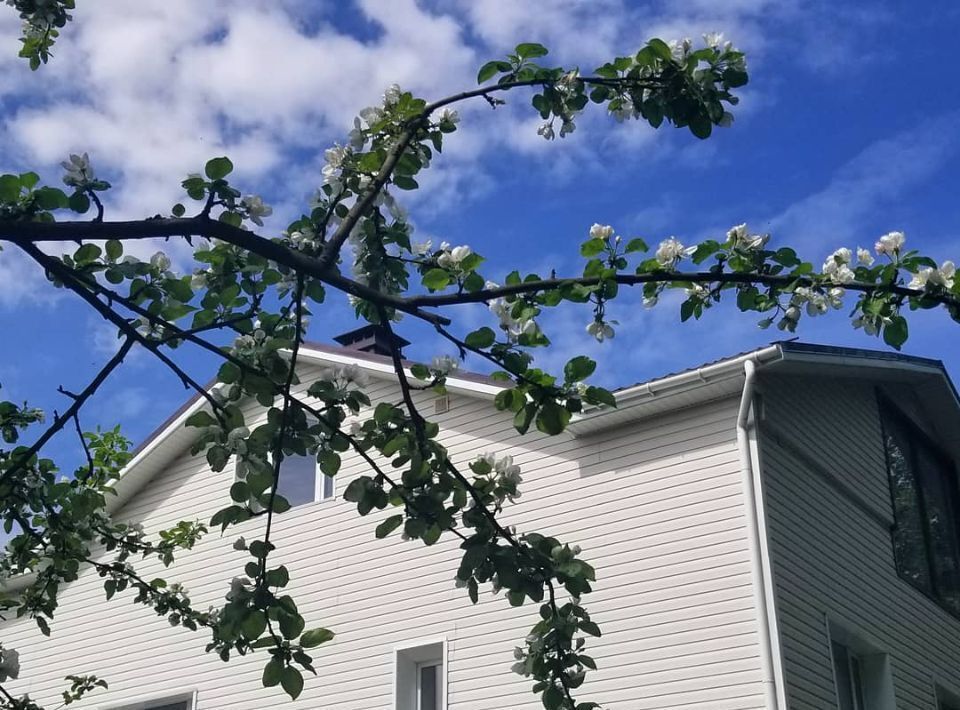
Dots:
{"x": 372, "y": 339}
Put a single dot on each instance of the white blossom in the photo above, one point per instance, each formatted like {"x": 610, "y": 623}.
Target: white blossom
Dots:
{"x": 445, "y": 364}
{"x": 256, "y": 209}
{"x": 238, "y": 585}
{"x": 371, "y": 114}
{"x": 864, "y": 257}
{"x": 392, "y": 95}
{"x": 837, "y": 268}
{"x": 601, "y": 231}
{"x": 713, "y": 39}
{"x": 890, "y": 244}
{"x": 680, "y": 48}
{"x": 356, "y": 428}
{"x": 650, "y": 301}
{"x": 600, "y": 330}
{"x": 928, "y": 276}
{"x": 671, "y": 251}
{"x": 240, "y": 543}
{"x": 356, "y": 136}
{"x": 448, "y": 115}
{"x": 451, "y": 258}
{"x": 698, "y": 292}
{"x": 421, "y": 248}
{"x": 546, "y": 130}
{"x": 739, "y": 237}
{"x": 335, "y": 157}
{"x": 79, "y": 171}
{"x": 160, "y": 261}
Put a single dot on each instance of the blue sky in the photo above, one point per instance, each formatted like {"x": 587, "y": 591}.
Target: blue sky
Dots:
{"x": 848, "y": 129}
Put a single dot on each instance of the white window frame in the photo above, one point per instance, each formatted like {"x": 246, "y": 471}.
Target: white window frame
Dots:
{"x": 145, "y": 702}
{"x": 409, "y": 649}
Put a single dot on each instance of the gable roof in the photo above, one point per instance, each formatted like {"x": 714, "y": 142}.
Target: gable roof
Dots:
{"x": 708, "y": 382}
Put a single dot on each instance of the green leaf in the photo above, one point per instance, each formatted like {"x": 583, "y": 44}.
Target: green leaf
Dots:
{"x": 200, "y": 419}
{"x": 218, "y": 168}
{"x": 700, "y": 126}
{"x": 481, "y": 338}
{"x": 579, "y": 368}
{"x": 660, "y": 49}
{"x": 531, "y": 50}
{"x": 552, "y": 698}
{"x": 488, "y": 70}
{"x": 405, "y": 182}
{"x": 254, "y": 624}
{"x": 436, "y": 279}
{"x": 590, "y": 628}
{"x": 87, "y": 253}
{"x": 79, "y": 202}
{"x": 896, "y": 332}
{"x": 292, "y": 681}
{"x": 272, "y": 673}
{"x": 9, "y": 188}
{"x": 552, "y": 418}
{"x": 290, "y": 625}
{"x": 50, "y": 198}
{"x": 179, "y": 210}
{"x": 592, "y": 247}
{"x": 114, "y": 249}
{"x": 315, "y": 637}
{"x": 636, "y": 244}
{"x": 388, "y": 526}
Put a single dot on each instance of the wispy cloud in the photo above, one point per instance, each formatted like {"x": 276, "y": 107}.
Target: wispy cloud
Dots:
{"x": 887, "y": 170}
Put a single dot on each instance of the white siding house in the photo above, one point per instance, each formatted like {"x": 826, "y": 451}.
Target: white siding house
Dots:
{"x": 738, "y": 516}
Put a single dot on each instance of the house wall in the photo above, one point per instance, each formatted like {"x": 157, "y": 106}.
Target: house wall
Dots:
{"x": 829, "y": 517}
{"x": 658, "y": 508}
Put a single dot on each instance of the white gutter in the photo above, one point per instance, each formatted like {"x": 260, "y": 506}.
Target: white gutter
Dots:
{"x": 771, "y": 663}
{"x": 700, "y": 376}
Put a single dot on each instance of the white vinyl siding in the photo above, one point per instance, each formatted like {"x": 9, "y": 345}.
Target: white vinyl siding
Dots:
{"x": 829, "y": 517}
{"x": 659, "y": 511}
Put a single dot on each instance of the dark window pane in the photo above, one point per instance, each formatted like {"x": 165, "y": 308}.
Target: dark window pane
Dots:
{"x": 429, "y": 688}
{"x": 841, "y": 668}
{"x": 298, "y": 479}
{"x": 908, "y": 537}
{"x": 856, "y": 679}
{"x": 941, "y": 518}
{"x": 182, "y": 705}
{"x": 327, "y": 483}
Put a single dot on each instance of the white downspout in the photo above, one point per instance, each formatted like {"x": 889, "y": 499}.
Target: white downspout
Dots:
{"x": 770, "y": 659}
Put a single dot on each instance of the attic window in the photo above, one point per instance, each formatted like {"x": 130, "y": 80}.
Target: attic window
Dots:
{"x": 301, "y": 481}
{"x": 926, "y": 506}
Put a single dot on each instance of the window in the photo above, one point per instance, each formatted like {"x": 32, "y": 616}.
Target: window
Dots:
{"x": 847, "y": 669}
{"x": 947, "y": 700}
{"x": 926, "y": 503}
{"x": 168, "y": 703}
{"x": 861, "y": 672}
{"x": 301, "y": 481}
{"x": 429, "y": 685}
{"x": 420, "y": 678}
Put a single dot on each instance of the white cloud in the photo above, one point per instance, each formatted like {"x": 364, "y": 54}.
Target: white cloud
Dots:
{"x": 842, "y": 212}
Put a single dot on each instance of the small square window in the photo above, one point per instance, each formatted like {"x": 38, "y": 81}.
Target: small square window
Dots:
{"x": 301, "y": 481}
